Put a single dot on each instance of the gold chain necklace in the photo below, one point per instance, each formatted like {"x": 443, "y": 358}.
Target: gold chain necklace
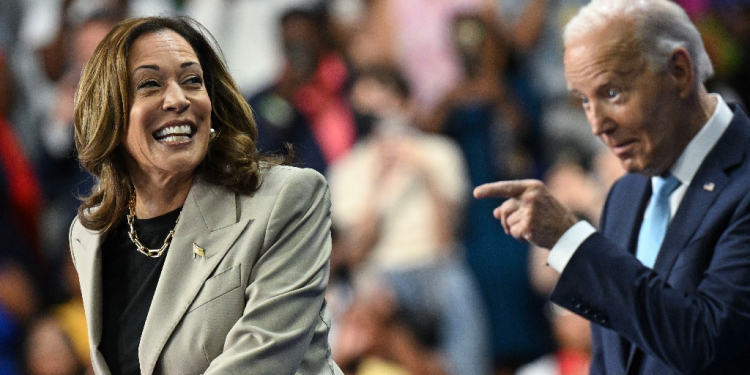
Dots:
{"x": 153, "y": 253}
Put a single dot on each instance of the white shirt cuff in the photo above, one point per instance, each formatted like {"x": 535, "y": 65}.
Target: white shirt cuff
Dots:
{"x": 567, "y": 245}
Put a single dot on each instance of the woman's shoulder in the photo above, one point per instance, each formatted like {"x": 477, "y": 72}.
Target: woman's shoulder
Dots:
{"x": 288, "y": 188}
{"x": 278, "y": 178}
{"x": 286, "y": 174}
{"x": 75, "y": 228}
{"x": 78, "y": 229}
{"x": 78, "y": 233}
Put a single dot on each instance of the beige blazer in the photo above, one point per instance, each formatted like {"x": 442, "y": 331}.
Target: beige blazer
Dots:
{"x": 252, "y": 302}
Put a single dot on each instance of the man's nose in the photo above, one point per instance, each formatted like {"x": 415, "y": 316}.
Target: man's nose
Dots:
{"x": 598, "y": 117}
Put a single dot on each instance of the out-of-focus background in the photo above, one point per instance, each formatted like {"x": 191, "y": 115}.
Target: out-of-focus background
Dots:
{"x": 405, "y": 106}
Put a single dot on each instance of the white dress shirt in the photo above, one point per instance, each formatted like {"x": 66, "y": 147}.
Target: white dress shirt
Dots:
{"x": 684, "y": 169}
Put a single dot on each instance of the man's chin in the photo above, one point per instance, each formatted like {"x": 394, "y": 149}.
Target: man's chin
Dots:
{"x": 630, "y": 165}
{"x": 634, "y": 166}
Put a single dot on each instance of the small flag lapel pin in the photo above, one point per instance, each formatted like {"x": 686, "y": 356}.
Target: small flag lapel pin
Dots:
{"x": 197, "y": 250}
{"x": 709, "y": 186}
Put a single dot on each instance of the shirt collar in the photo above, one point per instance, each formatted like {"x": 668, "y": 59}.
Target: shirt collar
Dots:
{"x": 696, "y": 151}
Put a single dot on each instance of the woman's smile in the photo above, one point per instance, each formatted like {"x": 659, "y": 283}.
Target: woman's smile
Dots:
{"x": 175, "y": 132}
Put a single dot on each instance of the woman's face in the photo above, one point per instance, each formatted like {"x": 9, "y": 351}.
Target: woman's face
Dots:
{"x": 170, "y": 116}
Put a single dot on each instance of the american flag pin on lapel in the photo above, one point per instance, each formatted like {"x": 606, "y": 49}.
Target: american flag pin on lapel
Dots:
{"x": 709, "y": 186}
{"x": 197, "y": 250}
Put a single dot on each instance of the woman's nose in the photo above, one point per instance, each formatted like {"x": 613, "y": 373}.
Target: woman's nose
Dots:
{"x": 174, "y": 98}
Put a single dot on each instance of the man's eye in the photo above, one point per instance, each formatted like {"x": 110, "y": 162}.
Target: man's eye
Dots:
{"x": 584, "y": 100}
{"x": 613, "y": 93}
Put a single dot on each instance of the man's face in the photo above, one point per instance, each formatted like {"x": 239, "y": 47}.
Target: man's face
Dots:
{"x": 301, "y": 46}
{"x": 629, "y": 105}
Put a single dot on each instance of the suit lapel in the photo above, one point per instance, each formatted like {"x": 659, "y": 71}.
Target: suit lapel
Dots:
{"x": 709, "y": 181}
{"x": 87, "y": 249}
{"x": 211, "y": 220}
{"x": 623, "y": 226}
{"x": 696, "y": 202}
{"x": 693, "y": 207}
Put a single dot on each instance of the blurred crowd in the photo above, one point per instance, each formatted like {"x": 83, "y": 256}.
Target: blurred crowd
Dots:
{"x": 405, "y": 106}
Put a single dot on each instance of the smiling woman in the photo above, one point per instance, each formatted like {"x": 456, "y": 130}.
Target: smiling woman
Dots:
{"x": 170, "y": 117}
{"x": 194, "y": 254}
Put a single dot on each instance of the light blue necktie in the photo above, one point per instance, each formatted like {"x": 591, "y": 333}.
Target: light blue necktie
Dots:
{"x": 655, "y": 220}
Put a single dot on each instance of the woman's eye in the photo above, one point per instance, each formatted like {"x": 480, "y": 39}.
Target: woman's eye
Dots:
{"x": 194, "y": 80}
{"x": 147, "y": 84}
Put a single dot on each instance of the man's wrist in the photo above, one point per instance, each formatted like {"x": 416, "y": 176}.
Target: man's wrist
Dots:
{"x": 569, "y": 242}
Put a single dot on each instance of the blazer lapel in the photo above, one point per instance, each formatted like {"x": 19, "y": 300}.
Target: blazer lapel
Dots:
{"x": 712, "y": 177}
{"x": 86, "y": 246}
{"x": 623, "y": 226}
{"x": 694, "y": 205}
{"x": 692, "y": 210}
{"x": 211, "y": 221}
{"x": 697, "y": 201}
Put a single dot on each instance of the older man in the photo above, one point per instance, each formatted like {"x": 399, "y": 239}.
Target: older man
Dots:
{"x": 666, "y": 279}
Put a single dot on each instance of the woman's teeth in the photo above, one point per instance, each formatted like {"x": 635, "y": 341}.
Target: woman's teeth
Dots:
{"x": 175, "y": 138}
{"x": 174, "y": 133}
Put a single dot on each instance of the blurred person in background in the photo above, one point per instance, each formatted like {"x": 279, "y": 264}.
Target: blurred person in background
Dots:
{"x": 366, "y": 33}
{"x": 228, "y": 22}
{"x": 48, "y": 349}
{"x": 307, "y": 105}
{"x": 481, "y": 113}
{"x": 71, "y": 314}
{"x": 195, "y": 255}
{"x": 62, "y": 177}
{"x": 21, "y": 189}
{"x": 9, "y": 23}
{"x": 416, "y": 37}
{"x": 21, "y": 263}
{"x": 573, "y": 353}
{"x": 396, "y": 204}
{"x": 734, "y": 16}
{"x": 720, "y": 23}
{"x": 532, "y": 29}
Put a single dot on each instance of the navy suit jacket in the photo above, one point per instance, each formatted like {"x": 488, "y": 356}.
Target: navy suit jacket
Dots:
{"x": 691, "y": 313}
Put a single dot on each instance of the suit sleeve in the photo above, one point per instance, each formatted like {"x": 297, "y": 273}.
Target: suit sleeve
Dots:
{"x": 691, "y": 328}
{"x": 284, "y": 311}
{"x": 596, "y": 365}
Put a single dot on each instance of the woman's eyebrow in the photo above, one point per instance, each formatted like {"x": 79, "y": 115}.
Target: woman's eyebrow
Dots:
{"x": 153, "y": 67}
{"x": 156, "y": 67}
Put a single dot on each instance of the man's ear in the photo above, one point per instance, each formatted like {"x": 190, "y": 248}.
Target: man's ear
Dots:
{"x": 680, "y": 68}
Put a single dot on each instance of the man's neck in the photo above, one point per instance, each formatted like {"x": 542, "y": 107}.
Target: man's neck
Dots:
{"x": 708, "y": 103}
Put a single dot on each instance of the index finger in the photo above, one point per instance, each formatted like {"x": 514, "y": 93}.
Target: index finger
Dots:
{"x": 504, "y": 189}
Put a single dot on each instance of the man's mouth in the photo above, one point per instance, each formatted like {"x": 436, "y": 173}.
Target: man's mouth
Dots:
{"x": 176, "y": 133}
{"x": 622, "y": 148}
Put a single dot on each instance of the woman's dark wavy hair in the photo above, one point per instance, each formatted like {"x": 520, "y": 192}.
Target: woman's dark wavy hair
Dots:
{"x": 102, "y": 105}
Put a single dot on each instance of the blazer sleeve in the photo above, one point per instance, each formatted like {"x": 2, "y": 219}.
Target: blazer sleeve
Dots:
{"x": 689, "y": 329}
{"x": 285, "y": 293}
{"x": 597, "y": 363}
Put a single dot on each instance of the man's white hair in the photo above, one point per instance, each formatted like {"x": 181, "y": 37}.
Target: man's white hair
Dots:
{"x": 661, "y": 26}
